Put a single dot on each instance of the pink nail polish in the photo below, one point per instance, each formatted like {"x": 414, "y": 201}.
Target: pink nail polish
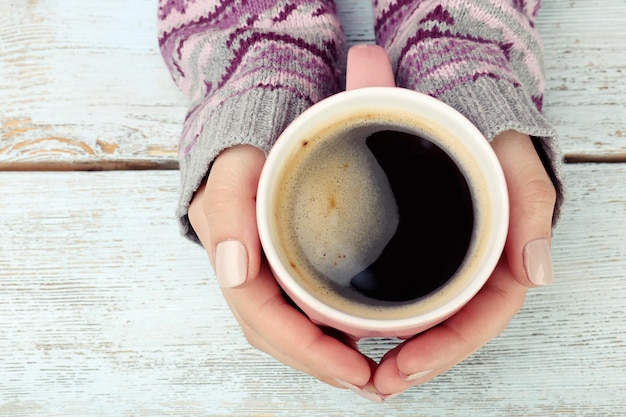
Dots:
{"x": 370, "y": 395}
{"x": 231, "y": 264}
{"x": 538, "y": 262}
{"x": 417, "y": 375}
{"x": 386, "y": 397}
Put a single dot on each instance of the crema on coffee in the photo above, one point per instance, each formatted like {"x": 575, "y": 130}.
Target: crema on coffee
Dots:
{"x": 373, "y": 216}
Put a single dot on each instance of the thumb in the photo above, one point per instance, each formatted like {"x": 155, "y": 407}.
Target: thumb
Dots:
{"x": 229, "y": 206}
{"x": 368, "y": 66}
{"x": 532, "y": 199}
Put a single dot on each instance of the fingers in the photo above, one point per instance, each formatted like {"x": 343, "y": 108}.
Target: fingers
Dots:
{"x": 431, "y": 353}
{"x": 271, "y": 325}
{"x": 532, "y": 199}
{"x": 221, "y": 212}
{"x": 368, "y": 66}
{"x": 228, "y": 206}
{"x": 275, "y": 327}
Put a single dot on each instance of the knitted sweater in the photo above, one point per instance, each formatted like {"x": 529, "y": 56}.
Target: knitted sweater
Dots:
{"x": 249, "y": 67}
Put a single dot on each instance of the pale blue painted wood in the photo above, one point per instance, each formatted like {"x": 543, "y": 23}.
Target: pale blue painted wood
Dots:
{"x": 106, "y": 311}
{"x": 92, "y": 73}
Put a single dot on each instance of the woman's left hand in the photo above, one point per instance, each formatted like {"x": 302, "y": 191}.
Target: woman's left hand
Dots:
{"x": 525, "y": 263}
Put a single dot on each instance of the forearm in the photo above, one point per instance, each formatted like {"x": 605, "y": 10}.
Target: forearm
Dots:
{"x": 484, "y": 58}
{"x": 249, "y": 68}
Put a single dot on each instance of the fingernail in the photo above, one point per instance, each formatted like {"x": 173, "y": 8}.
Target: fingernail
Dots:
{"x": 231, "y": 264}
{"x": 416, "y": 375}
{"x": 386, "y": 397}
{"x": 365, "y": 393}
{"x": 538, "y": 262}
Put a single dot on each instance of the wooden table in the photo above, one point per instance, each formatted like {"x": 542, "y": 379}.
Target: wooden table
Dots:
{"x": 106, "y": 310}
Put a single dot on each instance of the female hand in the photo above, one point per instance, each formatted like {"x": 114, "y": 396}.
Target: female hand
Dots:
{"x": 526, "y": 262}
{"x": 223, "y": 215}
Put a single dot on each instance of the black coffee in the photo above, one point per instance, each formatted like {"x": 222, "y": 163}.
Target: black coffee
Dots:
{"x": 436, "y": 219}
{"x": 372, "y": 217}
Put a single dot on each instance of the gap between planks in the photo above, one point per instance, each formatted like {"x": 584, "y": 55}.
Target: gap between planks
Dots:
{"x": 117, "y": 165}
{"x": 172, "y": 165}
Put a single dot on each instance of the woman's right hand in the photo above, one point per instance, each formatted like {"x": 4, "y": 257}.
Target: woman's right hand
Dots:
{"x": 223, "y": 215}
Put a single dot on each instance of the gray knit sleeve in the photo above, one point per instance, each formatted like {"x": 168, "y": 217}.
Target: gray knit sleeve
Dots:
{"x": 482, "y": 57}
{"x": 249, "y": 68}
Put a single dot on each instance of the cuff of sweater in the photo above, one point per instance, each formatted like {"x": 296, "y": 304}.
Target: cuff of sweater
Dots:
{"x": 496, "y": 106}
{"x": 255, "y": 118}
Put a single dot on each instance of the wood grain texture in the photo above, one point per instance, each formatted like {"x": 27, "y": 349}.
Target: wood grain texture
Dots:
{"x": 84, "y": 82}
{"x": 106, "y": 311}
{"x": 585, "y": 58}
{"x": 83, "y": 85}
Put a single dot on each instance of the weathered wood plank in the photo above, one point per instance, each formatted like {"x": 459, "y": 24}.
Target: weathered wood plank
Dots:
{"x": 83, "y": 85}
{"x": 84, "y": 82}
{"x": 585, "y": 49}
{"x": 105, "y": 310}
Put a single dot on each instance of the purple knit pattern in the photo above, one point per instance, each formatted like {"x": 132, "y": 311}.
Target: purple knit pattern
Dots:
{"x": 438, "y": 46}
{"x": 221, "y": 51}
{"x": 249, "y": 67}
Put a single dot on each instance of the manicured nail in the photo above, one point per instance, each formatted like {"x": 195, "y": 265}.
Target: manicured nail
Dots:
{"x": 538, "y": 262}
{"x": 386, "y": 397}
{"x": 370, "y": 395}
{"x": 231, "y": 264}
{"x": 416, "y": 375}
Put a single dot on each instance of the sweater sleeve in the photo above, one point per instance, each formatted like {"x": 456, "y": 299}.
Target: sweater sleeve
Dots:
{"x": 482, "y": 57}
{"x": 249, "y": 67}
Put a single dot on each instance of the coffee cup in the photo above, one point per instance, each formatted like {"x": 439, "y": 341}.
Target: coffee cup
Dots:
{"x": 381, "y": 211}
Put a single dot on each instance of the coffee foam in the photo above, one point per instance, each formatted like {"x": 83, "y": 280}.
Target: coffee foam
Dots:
{"x": 337, "y": 296}
{"x": 343, "y": 213}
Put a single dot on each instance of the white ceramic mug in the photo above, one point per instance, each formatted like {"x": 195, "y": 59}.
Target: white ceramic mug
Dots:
{"x": 409, "y": 111}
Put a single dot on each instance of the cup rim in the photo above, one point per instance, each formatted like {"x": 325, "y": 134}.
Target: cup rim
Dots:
{"x": 426, "y": 106}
